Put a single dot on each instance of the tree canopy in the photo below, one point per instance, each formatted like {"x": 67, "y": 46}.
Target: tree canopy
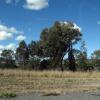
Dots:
{"x": 56, "y": 40}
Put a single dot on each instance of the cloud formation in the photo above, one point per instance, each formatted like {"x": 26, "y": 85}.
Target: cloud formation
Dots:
{"x": 8, "y": 1}
{"x": 4, "y": 35}
{"x": 8, "y": 32}
{"x": 10, "y": 46}
{"x": 11, "y": 1}
{"x": 98, "y": 22}
{"x": 20, "y": 38}
{"x": 75, "y": 25}
{"x": 36, "y": 4}
{"x": 30, "y": 4}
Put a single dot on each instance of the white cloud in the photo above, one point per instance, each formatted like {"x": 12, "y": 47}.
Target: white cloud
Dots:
{"x": 8, "y": 1}
{"x": 8, "y": 32}
{"x": 74, "y": 27}
{"x": 20, "y": 38}
{"x": 98, "y": 22}
{"x": 9, "y": 29}
{"x": 36, "y": 4}
{"x": 11, "y": 1}
{"x": 4, "y": 35}
{"x": 10, "y": 46}
{"x": 77, "y": 27}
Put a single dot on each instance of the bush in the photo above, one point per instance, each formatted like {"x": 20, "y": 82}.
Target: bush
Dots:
{"x": 33, "y": 64}
{"x": 7, "y": 64}
{"x": 7, "y": 95}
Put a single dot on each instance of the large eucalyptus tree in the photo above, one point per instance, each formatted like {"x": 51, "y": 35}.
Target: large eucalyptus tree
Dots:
{"x": 58, "y": 40}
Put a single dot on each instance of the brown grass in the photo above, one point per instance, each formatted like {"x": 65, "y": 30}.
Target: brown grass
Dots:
{"x": 21, "y": 81}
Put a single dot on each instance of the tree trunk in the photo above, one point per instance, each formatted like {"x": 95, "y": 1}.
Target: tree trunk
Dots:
{"x": 62, "y": 69}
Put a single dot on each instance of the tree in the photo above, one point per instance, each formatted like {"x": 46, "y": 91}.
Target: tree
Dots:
{"x": 32, "y": 48}
{"x": 96, "y": 59}
{"x": 7, "y": 54}
{"x": 35, "y": 54}
{"x": 71, "y": 59}
{"x": 35, "y": 49}
{"x": 56, "y": 40}
{"x": 22, "y": 54}
{"x": 82, "y": 57}
{"x": 7, "y": 60}
{"x": 96, "y": 54}
{"x": 34, "y": 63}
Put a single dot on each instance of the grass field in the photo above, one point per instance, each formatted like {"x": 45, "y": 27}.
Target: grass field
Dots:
{"x": 21, "y": 81}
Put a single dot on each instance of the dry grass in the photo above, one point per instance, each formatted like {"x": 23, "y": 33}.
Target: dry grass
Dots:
{"x": 21, "y": 81}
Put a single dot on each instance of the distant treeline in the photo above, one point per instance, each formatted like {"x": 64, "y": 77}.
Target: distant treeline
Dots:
{"x": 49, "y": 52}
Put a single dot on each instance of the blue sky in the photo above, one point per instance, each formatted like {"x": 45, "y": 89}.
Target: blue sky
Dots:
{"x": 25, "y": 19}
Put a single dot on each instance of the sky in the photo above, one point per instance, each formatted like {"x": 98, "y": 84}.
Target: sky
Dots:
{"x": 25, "y": 19}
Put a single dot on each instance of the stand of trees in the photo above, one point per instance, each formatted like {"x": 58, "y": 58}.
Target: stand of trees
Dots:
{"x": 48, "y": 53}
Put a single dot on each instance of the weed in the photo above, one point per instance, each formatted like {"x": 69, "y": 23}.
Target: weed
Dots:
{"x": 7, "y": 95}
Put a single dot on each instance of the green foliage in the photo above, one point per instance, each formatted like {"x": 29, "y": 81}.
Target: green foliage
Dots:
{"x": 82, "y": 58}
{"x": 96, "y": 59}
{"x": 34, "y": 63}
{"x": 48, "y": 52}
{"x": 7, "y": 59}
{"x": 71, "y": 59}
{"x": 35, "y": 49}
{"x": 96, "y": 54}
{"x": 66, "y": 64}
{"x": 7, "y": 95}
{"x": 82, "y": 62}
{"x": 7, "y": 54}
{"x": 55, "y": 41}
{"x": 22, "y": 54}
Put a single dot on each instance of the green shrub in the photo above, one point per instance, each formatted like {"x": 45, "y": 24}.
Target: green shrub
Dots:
{"x": 7, "y": 95}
